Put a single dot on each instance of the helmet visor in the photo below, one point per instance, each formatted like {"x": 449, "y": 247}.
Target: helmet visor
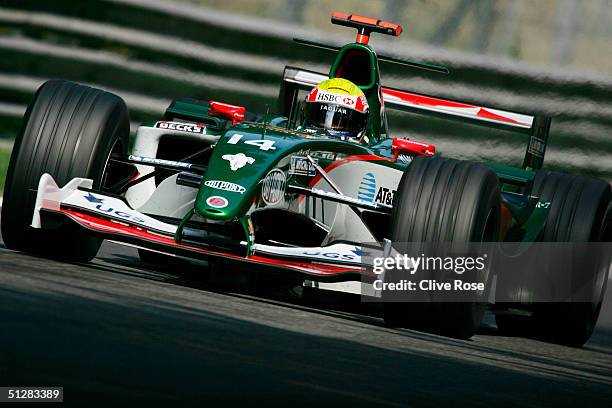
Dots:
{"x": 334, "y": 117}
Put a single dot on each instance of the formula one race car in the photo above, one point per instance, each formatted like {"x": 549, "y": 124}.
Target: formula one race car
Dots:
{"x": 296, "y": 193}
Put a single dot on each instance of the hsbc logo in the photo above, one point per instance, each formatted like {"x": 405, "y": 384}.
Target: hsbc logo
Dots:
{"x": 358, "y": 103}
{"x": 326, "y": 97}
{"x": 323, "y": 96}
{"x": 183, "y": 127}
{"x": 348, "y": 101}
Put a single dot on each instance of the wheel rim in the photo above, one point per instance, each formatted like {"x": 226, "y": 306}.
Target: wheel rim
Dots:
{"x": 489, "y": 230}
{"x": 107, "y": 171}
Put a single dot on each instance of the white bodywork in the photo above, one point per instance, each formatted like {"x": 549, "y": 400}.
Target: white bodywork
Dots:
{"x": 344, "y": 224}
{"x": 172, "y": 200}
{"x": 52, "y": 197}
{"x": 145, "y": 144}
{"x": 169, "y": 199}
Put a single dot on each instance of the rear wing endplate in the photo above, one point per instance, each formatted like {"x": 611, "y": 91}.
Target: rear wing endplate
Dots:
{"x": 536, "y": 126}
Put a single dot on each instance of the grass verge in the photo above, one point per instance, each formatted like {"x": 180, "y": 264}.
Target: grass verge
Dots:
{"x": 5, "y": 154}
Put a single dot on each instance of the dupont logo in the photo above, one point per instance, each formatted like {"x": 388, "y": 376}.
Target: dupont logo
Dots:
{"x": 217, "y": 202}
{"x": 367, "y": 188}
{"x": 225, "y": 185}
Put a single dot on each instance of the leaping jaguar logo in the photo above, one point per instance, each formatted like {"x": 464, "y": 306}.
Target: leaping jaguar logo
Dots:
{"x": 238, "y": 161}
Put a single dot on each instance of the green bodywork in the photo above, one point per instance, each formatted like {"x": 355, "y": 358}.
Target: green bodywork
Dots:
{"x": 377, "y": 124}
{"x": 283, "y": 143}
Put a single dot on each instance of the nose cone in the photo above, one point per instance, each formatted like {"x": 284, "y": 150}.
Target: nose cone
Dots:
{"x": 229, "y": 186}
{"x": 215, "y": 207}
{"x": 239, "y": 161}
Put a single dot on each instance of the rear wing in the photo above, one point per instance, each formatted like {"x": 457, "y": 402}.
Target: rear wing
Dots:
{"x": 537, "y": 127}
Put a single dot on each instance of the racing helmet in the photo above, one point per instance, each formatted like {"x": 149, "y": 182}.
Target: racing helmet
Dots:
{"x": 336, "y": 107}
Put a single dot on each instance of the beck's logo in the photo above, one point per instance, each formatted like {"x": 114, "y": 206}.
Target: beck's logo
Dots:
{"x": 183, "y": 127}
{"x": 238, "y": 161}
{"x": 217, "y": 202}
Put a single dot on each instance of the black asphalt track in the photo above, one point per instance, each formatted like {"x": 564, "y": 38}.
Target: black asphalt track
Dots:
{"x": 119, "y": 332}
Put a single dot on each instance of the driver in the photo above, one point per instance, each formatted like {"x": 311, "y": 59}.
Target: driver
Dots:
{"x": 338, "y": 108}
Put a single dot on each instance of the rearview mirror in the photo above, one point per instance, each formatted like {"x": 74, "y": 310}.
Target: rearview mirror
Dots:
{"x": 411, "y": 148}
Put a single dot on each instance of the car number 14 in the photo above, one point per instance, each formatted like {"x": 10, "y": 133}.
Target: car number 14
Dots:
{"x": 262, "y": 144}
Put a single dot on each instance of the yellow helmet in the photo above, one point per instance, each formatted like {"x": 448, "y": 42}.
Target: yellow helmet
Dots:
{"x": 336, "y": 107}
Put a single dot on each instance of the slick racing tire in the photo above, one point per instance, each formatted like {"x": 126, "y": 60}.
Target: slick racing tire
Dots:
{"x": 69, "y": 130}
{"x": 580, "y": 211}
{"x": 443, "y": 200}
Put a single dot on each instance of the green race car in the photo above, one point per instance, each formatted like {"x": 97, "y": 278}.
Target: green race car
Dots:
{"x": 305, "y": 193}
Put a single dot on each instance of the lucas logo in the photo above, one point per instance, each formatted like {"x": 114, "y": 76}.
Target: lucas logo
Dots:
{"x": 217, "y": 201}
{"x": 238, "y": 161}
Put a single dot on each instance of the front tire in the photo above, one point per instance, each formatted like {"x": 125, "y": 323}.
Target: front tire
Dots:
{"x": 69, "y": 130}
{"x": 444, "y": 200}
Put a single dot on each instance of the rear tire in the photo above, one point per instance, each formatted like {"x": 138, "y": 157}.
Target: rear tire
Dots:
{"x": 444, "y": 200}
{"x": 580, "y": 211}
{"x": 68, "y": 131}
